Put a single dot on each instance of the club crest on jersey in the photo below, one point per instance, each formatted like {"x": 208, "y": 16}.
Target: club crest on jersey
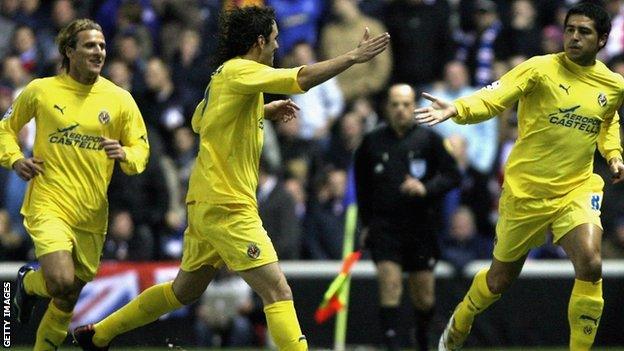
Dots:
{"x": 253, "y": 251}
{"x": 418, "y": 168}
{"x": 602, "y": 99}
{"x": 8, "y": 113}
{"x": 104, "y": 117}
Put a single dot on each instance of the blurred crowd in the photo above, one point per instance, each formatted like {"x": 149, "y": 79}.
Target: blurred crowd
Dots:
{"x": 162, "y": 50}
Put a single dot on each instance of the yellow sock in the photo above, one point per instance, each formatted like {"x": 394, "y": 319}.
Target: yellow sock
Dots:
{"x": 52, "y": 330}
{"x": 284, "y": 326}
{"x": 145, "y": 308}
{"x": 478, "y": 298}
{"x": 34, "y": 284}
{"x": 584, "y": 312}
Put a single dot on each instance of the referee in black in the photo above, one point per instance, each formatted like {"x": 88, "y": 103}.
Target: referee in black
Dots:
{"x": 402, "y": 172}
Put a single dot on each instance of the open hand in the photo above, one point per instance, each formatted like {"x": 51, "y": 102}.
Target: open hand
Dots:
{"x": 439, "y": 111}
{"x": 369, "y": 48}
{"x": 281, "y": 110}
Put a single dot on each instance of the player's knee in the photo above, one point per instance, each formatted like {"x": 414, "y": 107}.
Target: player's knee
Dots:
{"x": 424, "y": 302}
{"x": 280, "y": 292}
{"x": 60, "y": 285}
{"x": 188, "y": 294}
{"x": 590, "y": 268}
{"x": 499, "y": 283}
{"x": 390, "y": 290}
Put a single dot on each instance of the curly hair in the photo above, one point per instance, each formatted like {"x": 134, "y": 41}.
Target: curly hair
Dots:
{"x": 68, "y": 37}
{"x": 239, "y": 29}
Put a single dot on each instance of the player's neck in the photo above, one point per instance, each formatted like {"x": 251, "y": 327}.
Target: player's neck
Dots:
{"x": 584, "y": 61}
{"x": 86, "y": 78}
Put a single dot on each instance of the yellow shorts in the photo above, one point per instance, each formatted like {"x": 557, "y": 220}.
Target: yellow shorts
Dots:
{"x": 51, "y": 234}
{"x": 230, "y": 234}
{"x": 523, "y": 223}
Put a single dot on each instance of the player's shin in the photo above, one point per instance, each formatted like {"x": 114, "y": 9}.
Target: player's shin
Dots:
{"x": 145, "y": 308}
{"x": 52, "y": 330}
{"x": 478, "y": 298}
{"x": 284, "y": 326}
{"x": 584, "y": 312}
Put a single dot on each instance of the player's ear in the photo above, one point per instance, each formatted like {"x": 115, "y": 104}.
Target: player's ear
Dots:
{"x": 261, "y": 41}
{"x": 603, "y": 41}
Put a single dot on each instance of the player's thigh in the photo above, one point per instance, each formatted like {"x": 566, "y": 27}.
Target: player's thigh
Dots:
{"x": 242, "y": 243}
{"x": 422, "y": 289}
{"x": 54, "y": 244}
{"x": 521, "y": 226}
{"x": 580, "y": 207}
{"x": 87, "y": 253}
{"x": 389, "y": 278}
{"x": 269, "y": 282}
{"x": 49, "y": 234}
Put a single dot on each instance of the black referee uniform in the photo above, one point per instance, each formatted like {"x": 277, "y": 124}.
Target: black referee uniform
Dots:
{"x": 402, "y": 228}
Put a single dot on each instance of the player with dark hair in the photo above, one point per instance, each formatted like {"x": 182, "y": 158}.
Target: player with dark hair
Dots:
{"x": 84, "y": 123}
{"x": 224, "y": 225}
{"x": 567, "y": 106}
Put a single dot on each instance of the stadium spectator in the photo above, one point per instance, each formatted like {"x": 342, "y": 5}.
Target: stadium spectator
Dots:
{"x": 324, "y": 221}
{"x": 190, "y": 68}
{"x": 320, "y": 106}
{"x": 421, "y": 39}
{"x": 276, "y": 207}
{"x": 464, "y": 244}
{"x": 344, "y": 141}
{"x": 481, "y": 48}
{"x": 472, "y": 192}
{"x": 161, "y": 103}
{"x": 481, "y": 138}
{"x": 126, "y": 241}
{"x": 298, "y": 22}
{"x": 341, "y": 33}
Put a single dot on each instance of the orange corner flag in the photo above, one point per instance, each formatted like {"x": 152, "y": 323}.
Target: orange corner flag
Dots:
{"x": 331, "y": 303}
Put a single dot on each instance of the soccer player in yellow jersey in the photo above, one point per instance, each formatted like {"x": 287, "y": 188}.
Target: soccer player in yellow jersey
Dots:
{"x": 84, "y": 123}
{"x": 567, "y": 106}
{"x": 224, "y": 226}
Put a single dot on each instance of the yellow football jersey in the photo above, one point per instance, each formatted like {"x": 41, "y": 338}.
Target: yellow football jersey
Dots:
{"x": 71, "y": 119}
{"x": 564, "y": 112}
{"x": 230, "y": 122}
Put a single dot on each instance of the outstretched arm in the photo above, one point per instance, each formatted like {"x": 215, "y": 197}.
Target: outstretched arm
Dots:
{"x": 315, "y": 74}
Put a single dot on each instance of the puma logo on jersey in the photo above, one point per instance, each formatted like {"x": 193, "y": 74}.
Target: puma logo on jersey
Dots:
{"x": 571, "y": 109}
{"x": 564, "y": 88}
{"x": 54, "y": 346}
{"x": 591, "y": 319}
{"x": 61, "y": 109}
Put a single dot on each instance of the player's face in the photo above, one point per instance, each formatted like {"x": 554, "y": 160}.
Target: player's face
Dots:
{"x": 401, "y": 105}
{"x": 87, "y": 59}
{"x": 270, "y": 47}
{"x": 580, "y": 40}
